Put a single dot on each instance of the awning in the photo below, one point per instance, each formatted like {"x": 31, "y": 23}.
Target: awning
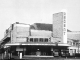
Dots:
{"x": 36, "y": 44}
{"x": 12, "y": 44}
{"x": 73, "y": 47}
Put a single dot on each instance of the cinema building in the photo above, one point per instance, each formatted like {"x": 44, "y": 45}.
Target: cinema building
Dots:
{"x": 37, "y": 40}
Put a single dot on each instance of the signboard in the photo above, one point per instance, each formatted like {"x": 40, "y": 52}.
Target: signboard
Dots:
{"x": 64, "y": 28}
{"x": 19, "y": 49}
{"x": 59, "y": 27}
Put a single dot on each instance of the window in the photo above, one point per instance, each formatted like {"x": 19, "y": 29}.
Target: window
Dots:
{"x": 68, "y": 42}
{"x": 41, "y": 39}
{"x": 46, "y": 39}
{"x": 31, "y": 39}
{"x": 74, "y": 43}
{"x": 64, "y": 25}
{"x": 35, "y": 39}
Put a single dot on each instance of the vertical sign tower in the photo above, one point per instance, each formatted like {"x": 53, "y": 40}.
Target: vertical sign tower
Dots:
{"x": 60, "y": 27}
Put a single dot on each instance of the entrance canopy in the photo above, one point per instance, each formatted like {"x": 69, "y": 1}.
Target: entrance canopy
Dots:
{"x": 36, "y": 44}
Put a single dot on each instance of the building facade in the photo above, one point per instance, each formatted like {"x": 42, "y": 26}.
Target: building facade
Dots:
{"x": 40, "y": 39}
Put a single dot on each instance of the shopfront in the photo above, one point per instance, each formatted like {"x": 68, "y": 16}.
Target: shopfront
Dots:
{"x": 37, "y": 50}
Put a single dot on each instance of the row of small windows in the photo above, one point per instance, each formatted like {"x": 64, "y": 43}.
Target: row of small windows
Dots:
{"x": 72, "y": 43}
{"x": 38, "y": 40}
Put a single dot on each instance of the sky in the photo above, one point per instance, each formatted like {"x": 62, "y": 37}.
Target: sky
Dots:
{"x": 38, "y": 11}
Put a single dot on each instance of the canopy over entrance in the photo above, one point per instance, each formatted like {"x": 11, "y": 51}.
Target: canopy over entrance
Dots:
{"x": 36, "y": 44}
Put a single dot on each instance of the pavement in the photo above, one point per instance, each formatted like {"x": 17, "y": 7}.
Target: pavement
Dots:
{"x": 41, "y": 58}
{"x": 48, "y": 58}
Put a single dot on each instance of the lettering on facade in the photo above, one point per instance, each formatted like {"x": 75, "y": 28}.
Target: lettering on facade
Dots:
{"x": 64, "y": 24}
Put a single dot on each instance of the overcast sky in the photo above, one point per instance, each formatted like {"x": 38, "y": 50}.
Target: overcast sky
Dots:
{"x": 31, "y": 11}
